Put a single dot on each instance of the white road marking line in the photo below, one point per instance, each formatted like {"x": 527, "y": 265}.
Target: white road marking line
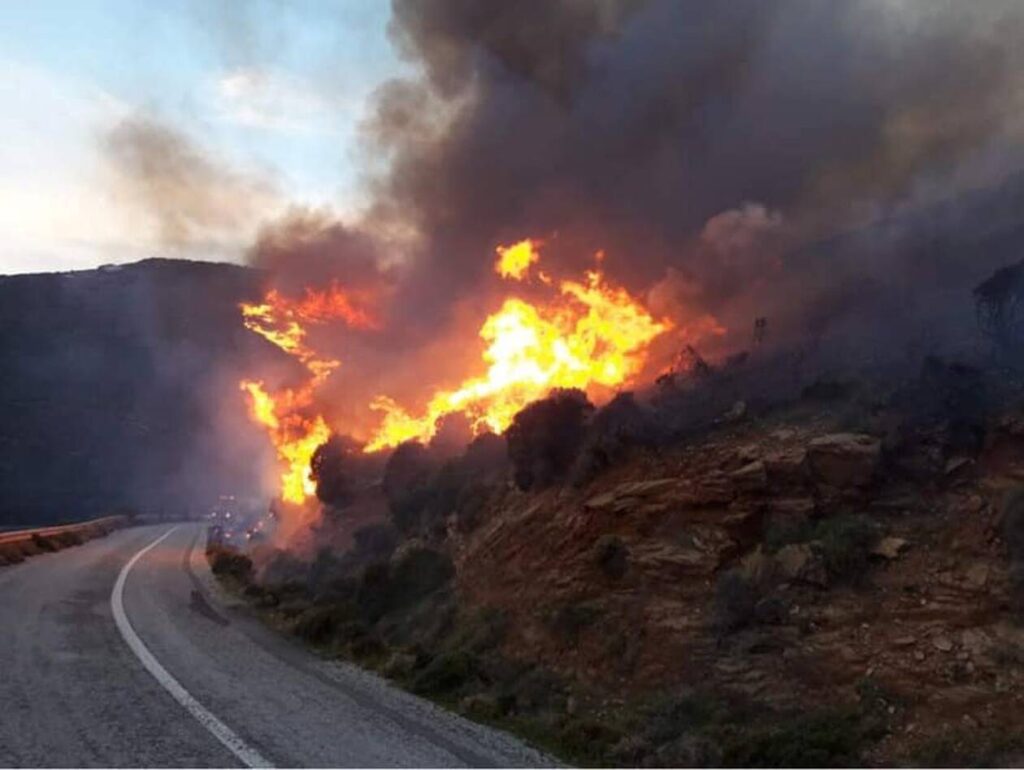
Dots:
{"x": 246, "y": 753}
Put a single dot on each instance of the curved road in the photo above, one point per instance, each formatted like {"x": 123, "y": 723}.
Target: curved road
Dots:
{"x": 75, "y": 693}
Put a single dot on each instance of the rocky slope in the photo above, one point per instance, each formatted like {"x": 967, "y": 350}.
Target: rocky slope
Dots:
{"x": 828, "y": 581}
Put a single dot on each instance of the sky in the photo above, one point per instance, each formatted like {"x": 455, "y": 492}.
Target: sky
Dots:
{"x": 271, "y": 91}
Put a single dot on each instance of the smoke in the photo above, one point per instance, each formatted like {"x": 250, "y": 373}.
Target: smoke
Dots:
{"x": 711, "y": 141}
{"x": 845, "y": 170}
{"x": 193, "y": 200}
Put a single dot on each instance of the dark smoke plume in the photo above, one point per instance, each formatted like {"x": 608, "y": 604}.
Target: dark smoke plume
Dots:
{"x": 705, "y": 146}
{"x": 845, "y": 170}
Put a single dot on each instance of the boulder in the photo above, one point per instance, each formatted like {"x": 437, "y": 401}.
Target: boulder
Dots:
{"x": 786, "y": 465}
{"x": 601, "y": 502}
{"x": 799, "y": 562}
{"x": 757, "y": 566}
{"x": 751, "y": 477}
{"x": 646, "y": 488}
{"x": 889, "y": 548}
{"x": 791, "y": 508}
{"x": 976, "y": 575}
{"x": 844, "y": 459}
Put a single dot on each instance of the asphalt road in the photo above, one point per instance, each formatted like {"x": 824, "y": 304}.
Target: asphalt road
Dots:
{"x": 201, "y": 684}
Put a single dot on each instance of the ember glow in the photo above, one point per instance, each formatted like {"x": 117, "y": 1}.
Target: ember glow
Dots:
{"x": 588, "y": 335}
{"x": 295, "y": 428}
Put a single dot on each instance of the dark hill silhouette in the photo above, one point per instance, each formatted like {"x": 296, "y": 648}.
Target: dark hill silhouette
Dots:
{"x": 119, "y": 389}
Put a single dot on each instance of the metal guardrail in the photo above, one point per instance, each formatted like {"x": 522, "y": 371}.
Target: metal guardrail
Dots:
{"x": 106, "y": 523}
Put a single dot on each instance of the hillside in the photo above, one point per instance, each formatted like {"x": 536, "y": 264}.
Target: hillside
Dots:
{"x": 831, "y": 579}
{"x": 117, "y": 390}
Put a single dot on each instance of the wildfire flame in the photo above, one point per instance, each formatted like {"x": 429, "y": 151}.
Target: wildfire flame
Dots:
{"x": 591, "y": 334}
{"x": 514, "y": 261}
{"x": 286, "y": 415}
{"x": 295, "y": 436}
{"x": 586, "y": 334}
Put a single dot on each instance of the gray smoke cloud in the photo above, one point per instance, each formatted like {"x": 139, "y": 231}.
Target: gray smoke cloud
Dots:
{"x": 193, "y": 199}
{"x": 719, "y": 147}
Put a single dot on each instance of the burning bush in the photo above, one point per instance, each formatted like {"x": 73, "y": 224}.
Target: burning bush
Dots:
{"x": 545, "y": 438}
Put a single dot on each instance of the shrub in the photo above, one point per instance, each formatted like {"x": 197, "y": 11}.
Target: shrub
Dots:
{"x": 845, "y": 544}
{"x": 445, "y": 674}
{"x": 318, "y": 624}
{"x": 375, "y": 541}
{"x": 407, "y": 477}
{"x": 589, "y": 740}
{"x": 735, "y": 602}
{"x": 611, "y": 556}
{"x": 486, "y": 456}
{"x": 416, "y": 571}
{"x": 373, "y": 593}
{"x": 480, "y": 631}
{"x": 830, "y": 738}
{"x": 225, "y": 562}
{"x": 569, "y": 620}
{"x": 545, "y": 438}
{"x": 328, "y": 469}
{"x": 618, "y": 426}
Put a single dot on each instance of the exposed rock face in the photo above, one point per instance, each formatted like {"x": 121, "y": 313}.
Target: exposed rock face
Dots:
{"x": 921, "y": 611}
{"x": 751, "y": 477}
{"x": 800, "y": 562}
{"x": 844, "y": 459}
{"x": 889, "y": 547}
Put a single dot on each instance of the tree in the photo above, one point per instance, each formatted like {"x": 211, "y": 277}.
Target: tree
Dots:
{"x": 329, "y": 469}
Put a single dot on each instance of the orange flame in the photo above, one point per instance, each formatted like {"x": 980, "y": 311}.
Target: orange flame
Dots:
{"x": 294, "y": 436}
{"x": 591, "y": 334}
{"x": 295, "y": 433}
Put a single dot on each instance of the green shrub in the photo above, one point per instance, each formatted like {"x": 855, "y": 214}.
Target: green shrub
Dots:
{"x": 417, "y": 571}
{"x": 845, "y": 544}
{"x": 479, "y": 631}
{"x": 569, "y": 620}
{"x": 588, "y": 740}
{"x": 318, "y": 624}
{"x": 830, "y": 738}
{"x": 373, "y": 593}
{"x": 545, "y": 437}
{"x": 446, "y": 674}
{"x": 977, "y": 747}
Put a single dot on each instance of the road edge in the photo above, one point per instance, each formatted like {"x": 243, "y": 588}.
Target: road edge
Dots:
{"x": 248, "y": 755}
